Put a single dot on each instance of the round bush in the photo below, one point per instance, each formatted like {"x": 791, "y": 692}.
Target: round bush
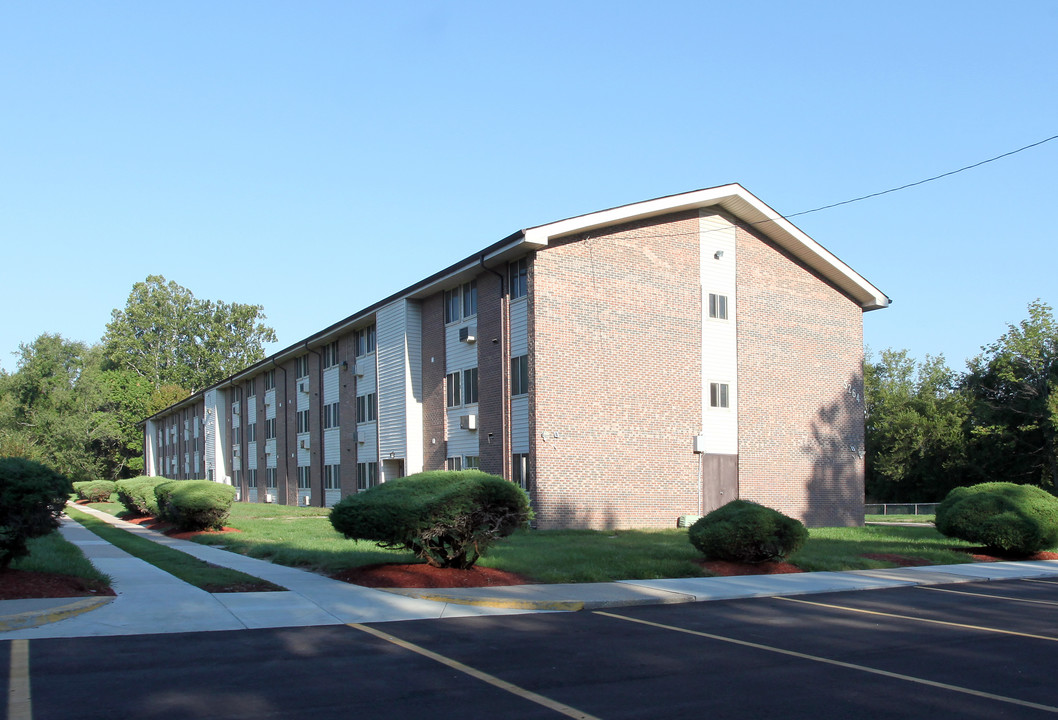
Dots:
{"x": 94, "y": 490}
{"x": 744, "y": 531}
{"x": 32, "y": 497}
{"x": 1016, "y": 519}
{"x": 194, "y": 504}
{"x": 137, "y": 494}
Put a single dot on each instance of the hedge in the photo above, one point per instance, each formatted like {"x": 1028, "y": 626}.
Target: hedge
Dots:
{"x": 743, "y": 531}
{"x": 1017, "y": 519}
{"x": 137, "y": 494}
{"x": 32, "y": 497}
{"x": 194, "y": 504}
{"x": 447, "y": 518}
{"x": 94, "y": 490}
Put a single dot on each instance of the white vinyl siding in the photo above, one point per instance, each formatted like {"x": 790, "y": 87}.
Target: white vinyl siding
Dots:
{"x": 520, "y": 424}
{"x": 719, "y": 349}
{"x": 519, "y": 327}
{"x": 460, "y": 356}
{"x": 400, "y": 383}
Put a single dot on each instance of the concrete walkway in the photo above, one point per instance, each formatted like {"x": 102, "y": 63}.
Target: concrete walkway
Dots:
{"x": 152, "y": 601}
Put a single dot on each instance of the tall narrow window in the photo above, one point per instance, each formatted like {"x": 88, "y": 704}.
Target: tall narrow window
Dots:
{"x": 330, "y": 354}
{"x": 270, "y": 380}
{"x": 519, "y": 278}
{"x": 470, "y": 386}
{"x": 718, "y": 395}
{"x": 303, "y": 421}
{"x": 366, "y": 475}
{"x": 520, "y": 470}
{"x": 332, "y": 479}
{"x": 303, "y": 478}
{"x": 366, "y": 408}
{"x": 302, "y": 366}
{"x": 470, "y": 299}
{"x": 330, "y": 416}
{"x": 520, "y": 375}
{"x": 251, "y": 388}
{"x": 364, "y": 340}
{"x": 453, "y": 390}
{"x": 718, "y": 306}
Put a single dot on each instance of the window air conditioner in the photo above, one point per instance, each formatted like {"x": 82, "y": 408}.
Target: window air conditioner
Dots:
{"x": 468, "y": 335}
{"x": 235, "y": 410}
{"x": 269, "y": 497}
{"x": 303, "y": 386}
{"x": 358, "y": 370}
{"x": 304, "y": 444}
{"x": 235, "y": 451}
{"x": 468, "y": 422}
{"x": 306, "y": 500}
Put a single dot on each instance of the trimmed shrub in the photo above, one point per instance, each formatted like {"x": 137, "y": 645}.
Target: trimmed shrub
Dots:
{"x": 32, "y": 497}
{"x": 447, "y": 518}
{"x": 744, "y": 531}
{"x": 1017, "y": 519}
{"x": 137, "y": 494}
{"x": 94, "y": 490}
{"x": 194, "y": 504}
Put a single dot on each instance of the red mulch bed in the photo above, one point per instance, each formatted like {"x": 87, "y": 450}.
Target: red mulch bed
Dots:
{"x": 21, "y": 584}
{"x": 723, "y": 568}
{"x": 981, "y": 554}
{"x": 421, "y": 575}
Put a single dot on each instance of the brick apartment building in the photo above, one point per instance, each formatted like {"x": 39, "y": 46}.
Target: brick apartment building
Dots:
{"x": 626, "y": 367}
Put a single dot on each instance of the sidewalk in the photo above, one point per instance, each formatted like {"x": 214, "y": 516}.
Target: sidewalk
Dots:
{"x": 152, "y": 601}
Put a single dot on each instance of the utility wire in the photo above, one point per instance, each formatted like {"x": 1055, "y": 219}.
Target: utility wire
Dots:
{"x": 921, "y": 182}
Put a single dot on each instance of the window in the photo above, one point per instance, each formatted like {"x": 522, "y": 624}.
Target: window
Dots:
{"x": 330, "y": 416}
{"x": 519, "y": 278}
{"x": 454, "y": 463}
{"x": 251, "y": 478}
{"x": 303, "y": 421}
{"x": 236, "y": 395}
{"x": 251, "y": 388}
{"x": 236, "y": 435}
{"x": 452, "y": 386}
{"x": 520, "y": 470}
{"x": 301, "y": 366}
{"x": 270, "y": 380}
{"x": 470, "y": 386}
{"x": 251, "y": 433}
{"x": 366, "y": 408}
{"x": 270, "y": 478}
{"x": 366, "y": 475}
{"x": 718, "y": 393}
{"x": 520, "y": 375}
{"x": 461, "y": 302}
{"x": 270, "y": 429}
{"x": 364, "y": 340}
{"x": 470, "y": 462}
{"x": 330, "y": 354}
{"x": 332, "y": 479}
{"x": 718, "y": 306}
{"x": 303, "y": 477}
{"x": 237, "y": 481}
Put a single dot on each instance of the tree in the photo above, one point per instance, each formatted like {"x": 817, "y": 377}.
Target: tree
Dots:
{"x": 1014, "y": 387}
{"x": 915, "y": 428}
{"x": 169, "y": 337}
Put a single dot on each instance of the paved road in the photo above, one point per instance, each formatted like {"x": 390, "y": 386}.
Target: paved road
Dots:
{"x": 972, "y": 650}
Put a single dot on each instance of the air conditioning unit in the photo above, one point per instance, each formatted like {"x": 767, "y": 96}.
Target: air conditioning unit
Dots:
{"x": 468, "y": 335}
{"x": 270, "y": 498}
{"x": 303, "y": 386}
{"x": 305, "y": 500}
{"x": 234, "y": 410}
{"x": 304, "y": 444}
{"x": 235, "y": 451}
{"x": 358, "y": 369}
{"x": 468, "y": 422}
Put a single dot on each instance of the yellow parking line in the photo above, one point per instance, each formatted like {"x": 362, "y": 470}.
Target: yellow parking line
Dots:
{"x": 921, "y": 620}
{"x": 19, "y": 706}
{"x": 483, "y": 676}
{"x": 986, "y": 595}
{"x": 839, "y": 663}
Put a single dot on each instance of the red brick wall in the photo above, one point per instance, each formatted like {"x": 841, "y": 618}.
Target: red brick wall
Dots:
{"x": 492, "y": 328}
{"x": 616, "y": 328}
{"x": 800, "y": 349}
{"x": 433, "y": 378}
{"x": 347, "y": 414}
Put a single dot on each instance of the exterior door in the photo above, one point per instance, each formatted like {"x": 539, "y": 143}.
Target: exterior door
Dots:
{"x": 719, "y": 481}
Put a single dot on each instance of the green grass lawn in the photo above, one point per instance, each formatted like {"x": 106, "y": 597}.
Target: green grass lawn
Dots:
{"x": 304, "y": 537}
{"x": 189, "y": 569}
{"x": 901, "y": 518}
{"x": 54, "y": 554}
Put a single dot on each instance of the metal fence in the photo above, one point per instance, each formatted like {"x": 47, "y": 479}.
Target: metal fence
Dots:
{"x": 901, "y": 508}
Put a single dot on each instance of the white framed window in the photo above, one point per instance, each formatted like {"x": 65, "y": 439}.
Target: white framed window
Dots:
{"x": 470, "y": 386}
{"x": 301, "y": 367}
{"x": 518, "y": 278}
{"x": 366, "y": 475}
{"x": 270, "y": 478}
{"x": 520, "y": 470}
{"x": 251, "y": 432}
{"x": 366, "y": 408}
{"x": 303, "y": 477}
{"x": 330, "y": 415}
{"x": 251, "y": 478}
{"x": 332, "y": 478}
{"x": 330, "y": 354}
{"x": 251, "y": 388}
{"x": 270, "y": 380}
{"x": 302, "y": 418}
{"x": 717, "y": 306}
{"x": 520, "y": 375}
{"x": 454, "y": 463}
{"x": 461, "y": 302}
{"x": 719, "y": 395}
{"x": 364, "y": 340}
{"x": 270, "y": 429}
{"x": 471, "y": 462}
{"x": 453, "y": 389}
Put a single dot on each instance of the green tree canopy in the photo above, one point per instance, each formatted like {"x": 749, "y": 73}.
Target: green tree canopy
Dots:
{"x": 169, "y": 337}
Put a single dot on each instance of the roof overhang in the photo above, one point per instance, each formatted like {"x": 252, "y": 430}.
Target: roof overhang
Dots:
{"x": 736, "y": 201}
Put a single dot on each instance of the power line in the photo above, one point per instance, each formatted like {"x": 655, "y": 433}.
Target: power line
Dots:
{"x": 921, "y": 182}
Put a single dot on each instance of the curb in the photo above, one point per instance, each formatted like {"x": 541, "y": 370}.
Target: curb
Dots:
{"x": 558, "y": 605}
{"x": 36, "y": 618}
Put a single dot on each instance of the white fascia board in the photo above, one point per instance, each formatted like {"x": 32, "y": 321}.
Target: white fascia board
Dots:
{"x": 743, "y": 205}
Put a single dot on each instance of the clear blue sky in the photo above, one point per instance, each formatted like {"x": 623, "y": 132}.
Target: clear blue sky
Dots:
{"x": 314, "y": 157}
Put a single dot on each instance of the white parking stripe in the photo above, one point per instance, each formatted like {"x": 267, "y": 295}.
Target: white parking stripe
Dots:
{"x": 19, "y": 706}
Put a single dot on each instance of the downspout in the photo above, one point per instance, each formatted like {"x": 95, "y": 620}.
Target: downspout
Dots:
{"x": 319, "y": 424}
{"x": 505, "y": 369}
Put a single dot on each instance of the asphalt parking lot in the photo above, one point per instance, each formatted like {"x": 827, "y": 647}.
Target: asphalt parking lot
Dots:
{"x": 969, "y": 650}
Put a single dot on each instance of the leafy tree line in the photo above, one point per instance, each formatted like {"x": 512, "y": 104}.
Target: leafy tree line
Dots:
{"x": 75, "y": 407}
{"x": 930, "y": 429}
